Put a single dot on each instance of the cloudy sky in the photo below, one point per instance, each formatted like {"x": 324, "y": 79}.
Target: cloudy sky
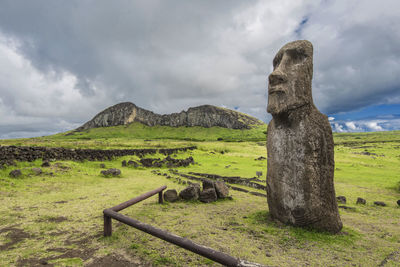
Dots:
{"x": 61, "y": 62}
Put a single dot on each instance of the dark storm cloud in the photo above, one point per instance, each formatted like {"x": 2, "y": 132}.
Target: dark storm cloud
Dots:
{"x": 357, "y": 54}
{"x": 67, "y": 60}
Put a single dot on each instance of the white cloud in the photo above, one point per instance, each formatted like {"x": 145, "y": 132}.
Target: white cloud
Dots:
{"x": 350, "y": 125}
{"x": 373, "y": 125}
{"x": 71, "y": 60}
{"x": 386, "y": 123}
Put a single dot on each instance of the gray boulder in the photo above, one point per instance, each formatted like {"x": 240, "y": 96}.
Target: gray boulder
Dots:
{"x": 208, "y": 195}
{"x": 221, "y": 189}
{"x": 380, "y": 203}
{"x": 208, "y": 184}
{"x": 111, "y": 172}
{"x": 46, "y": 164}
{"x": 15, "y": 173}
{"x": 189, "y": 193}
{"x": 171, "y": 195}
{"x": 341, "y": 199}
{"x": 361, "y": 201}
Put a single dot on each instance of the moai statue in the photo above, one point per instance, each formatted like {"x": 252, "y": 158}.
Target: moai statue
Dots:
{"x": 300, "y": 189}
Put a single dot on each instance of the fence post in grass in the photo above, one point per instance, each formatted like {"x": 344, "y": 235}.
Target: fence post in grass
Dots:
{"x": 160, "y": 197}
{"x": 107, "y": 225}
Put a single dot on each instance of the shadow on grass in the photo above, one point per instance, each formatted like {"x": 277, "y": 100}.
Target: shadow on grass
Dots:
{"x": 346, "y": 237}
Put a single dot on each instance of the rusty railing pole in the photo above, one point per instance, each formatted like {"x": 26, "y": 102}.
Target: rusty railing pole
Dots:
{"x": 107, "y": 225}
{"x": 185, "y": 243}
{"x": 160, "y": 197}
{"x": 135, "y": 200}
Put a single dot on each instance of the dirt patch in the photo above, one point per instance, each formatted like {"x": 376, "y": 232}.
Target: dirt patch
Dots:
{"x": 115, "y": 260}
{"x": 83, "y": 241}
{"x": 60, "y": 202}
{"x": 53, "y": 219}
{"x": 57, "y": 233}
{"x": 66, "y": 254}
{"x": 15, "y": 235}
{"x": 394, "y": 256}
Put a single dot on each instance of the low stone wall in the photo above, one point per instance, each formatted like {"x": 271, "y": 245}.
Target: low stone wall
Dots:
{"x": 9, "y": 154}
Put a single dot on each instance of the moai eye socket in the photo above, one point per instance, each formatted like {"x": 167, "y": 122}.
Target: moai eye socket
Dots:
{"x": 277, "y": 60}
{"x": 296, "y": 55}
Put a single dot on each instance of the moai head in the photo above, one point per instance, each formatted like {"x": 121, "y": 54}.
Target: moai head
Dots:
{"x": 289, "y": 85}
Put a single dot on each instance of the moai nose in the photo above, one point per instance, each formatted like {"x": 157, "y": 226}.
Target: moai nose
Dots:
{"x": 277, "y": 77}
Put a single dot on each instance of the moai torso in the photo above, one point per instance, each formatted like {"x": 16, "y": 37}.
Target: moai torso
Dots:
{"x": 300, "y": 188}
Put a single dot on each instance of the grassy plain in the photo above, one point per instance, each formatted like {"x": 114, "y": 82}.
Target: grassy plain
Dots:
{"x": 57, "y": 218}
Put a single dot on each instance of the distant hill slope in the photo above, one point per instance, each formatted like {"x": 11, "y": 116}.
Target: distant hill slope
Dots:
{"x": 203, "y": 116}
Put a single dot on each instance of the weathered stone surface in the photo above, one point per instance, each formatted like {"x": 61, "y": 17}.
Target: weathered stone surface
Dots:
{"x": 37, "y": 171}
{"x": 123, "y": 163}
{"x": 300, "y": 189}
{"x": 46, "y": 164}
{"x": 197, "y": 187}
{"x": 208, "y": 184}
{"x": 361, "y": 201}
{"x": 171, "y": 195}
{"x": 8, "y": 154}
{"x": 205, "y": 116}
{"x": 189, "y": 193}
{"x": 133, "y": 163}
{"x": 102, "y": 165}
{"x": 341, "y": 199}
{"x": 15, "y": 173}
{"x": 208, "y": 195}
{"x": 221, "y": 189}
{"x": 111, "y": 172}
{"x": 380, "y": 203}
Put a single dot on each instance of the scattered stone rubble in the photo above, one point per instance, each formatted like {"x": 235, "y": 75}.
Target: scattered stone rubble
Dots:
{"x": 111, "y": 172}
{"x": 212, "y": 191}
{"x": 380, "y": 203}
{"x": 226, "y": 179}
{"x": 9, "y": 154}
{"x": 158, "y": 163}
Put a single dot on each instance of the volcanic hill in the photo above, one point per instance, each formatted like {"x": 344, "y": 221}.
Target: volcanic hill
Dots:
{"x": 204, "y": 116}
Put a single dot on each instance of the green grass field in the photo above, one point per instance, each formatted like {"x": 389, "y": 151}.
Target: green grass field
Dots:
{"x": 56, "y": 217}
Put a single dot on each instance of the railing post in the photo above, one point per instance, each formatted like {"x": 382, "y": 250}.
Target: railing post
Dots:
{"x": 160, "y": 197}
{"x": 107, "y": 225}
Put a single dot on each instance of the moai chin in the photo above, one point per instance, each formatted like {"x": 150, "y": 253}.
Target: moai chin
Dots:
{"x": 300, "y": 189}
